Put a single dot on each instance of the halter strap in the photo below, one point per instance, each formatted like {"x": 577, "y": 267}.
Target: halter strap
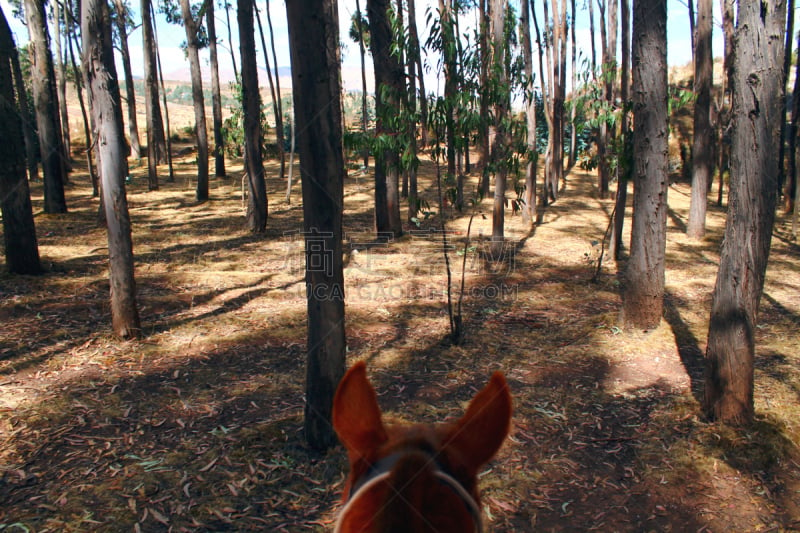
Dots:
{"x": 382, "y": 469}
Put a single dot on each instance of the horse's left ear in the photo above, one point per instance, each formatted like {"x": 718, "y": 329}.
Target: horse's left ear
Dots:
{"x": 478, "y": 435}
{"x": 356, "y": 414}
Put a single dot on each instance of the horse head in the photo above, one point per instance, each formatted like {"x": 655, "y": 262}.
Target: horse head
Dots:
{"x": 420, "y": 478}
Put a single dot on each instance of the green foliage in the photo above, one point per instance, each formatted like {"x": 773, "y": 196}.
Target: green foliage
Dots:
{"x": 233, "y": 126}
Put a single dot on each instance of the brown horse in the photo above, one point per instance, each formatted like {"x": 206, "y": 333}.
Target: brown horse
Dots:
{"x": 420, "y": 479}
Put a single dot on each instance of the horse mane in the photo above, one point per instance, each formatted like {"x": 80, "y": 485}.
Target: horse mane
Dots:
{"x": 420, "y": 478}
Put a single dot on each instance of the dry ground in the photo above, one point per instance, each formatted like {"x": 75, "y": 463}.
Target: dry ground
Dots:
{"x": 197, "y": 427}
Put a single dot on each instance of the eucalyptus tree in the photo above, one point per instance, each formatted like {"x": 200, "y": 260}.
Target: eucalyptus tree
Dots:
{"x": 216, "y": 93}
{"x": 643, "y": 299}
{"x": 123, "y": 22}
{"x": 316, "y": 82}
{"x": 251, "y": 109}
{"x": 156, "y": 140}
{"x": 19, "y": 231}
{"x": 51, "y": 147}
{"x": 757, "y": 79}
{"x": 98, "y": 60}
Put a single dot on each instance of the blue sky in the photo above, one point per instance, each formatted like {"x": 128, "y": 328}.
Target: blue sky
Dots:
{"x": 170, "y": 37}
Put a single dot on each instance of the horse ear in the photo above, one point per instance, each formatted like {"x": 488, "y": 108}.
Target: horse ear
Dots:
{"x": 478, "y": 435}
{"x": 356, "y": 414}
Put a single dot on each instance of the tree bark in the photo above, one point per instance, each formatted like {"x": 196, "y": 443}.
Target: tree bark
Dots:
{"x": 529, "y": 196}
{"x": 727, "y": 7}
{"x": 483, "y": 123}
{"x": 388, "y": 88}
{"x": 787, "y": 64}
{"x": 316, "y": 82}
{"x": 702, "y": 152}
{"x": 644, "y": 276}
{"x": 757, "y": 107}
{"x": 156, "y": 143}
{"x": 790, "y": 185}
{"x": 362, "y": 54}
{"x": 251, "y": 106}
{"x": 620, "y": 204}
{"x": 216, "y": 96}
{"x": 501, "y": 107}
{"x": 46, "y": 106}
{"x": 130, "y": 91}
{"x": 61, "y": 81}
{"x": 98, "y": 56}
{"x": 160, "y": 70}
{"x": 19, "y": 231}
{"x": 29, "y": 133}
{"x": 279, "y": 115}
{"x": 200, "y": 131}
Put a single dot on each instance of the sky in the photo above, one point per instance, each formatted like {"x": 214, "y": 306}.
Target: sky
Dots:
{"x": 173, "y": 58}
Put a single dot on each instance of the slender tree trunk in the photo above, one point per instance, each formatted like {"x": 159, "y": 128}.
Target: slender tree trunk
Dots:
{"x": 758, "y": 54}
{"x": 230, "y": 39}
{"x": 419, "y": 78}
{"x": 98, "y": 56}
{"x": 483, "y": 123}
{"x": 643, "y": 300}
{"x": 216, "y": 96}
{"x": 790, "y": 186}
{"x": 499, "y": 9}
{"x": 450, "y": 88}
{"x": 702, "y": 151}
{"x": 573, "y": 141}
{"x": 411, "y": 103}
{"x": 88, "y": 130}
{"x": 122, "y": 31}
{"x": 270, "y": 78}
{"x": 61, "y": 81}
{"x": 544, "y": 79}
{"x": 279, "y": 115}
{"x": 19, "y": 232}
{"x": 29, "y": 133}
{"x": 201, "y": 133}
{"x": 251, "y": 106}
{"x": 156, "y": 144}
{"x": 529, "y": 196}
{"x": 362, "y": 53}
{"x": 388, "y": 87}
{"x": 167, "y": 138}
{"x": 727, "y": 7}
{"x": 316, "y": 82}
{"x": 615, "y": 245}
{"x": 46, "y": 106}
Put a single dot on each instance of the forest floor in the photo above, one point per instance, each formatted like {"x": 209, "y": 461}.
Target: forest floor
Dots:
{"x": 198, "y": 425}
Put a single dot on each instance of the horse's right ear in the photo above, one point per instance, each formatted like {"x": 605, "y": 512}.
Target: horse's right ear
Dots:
{"x": 356, "y": 414}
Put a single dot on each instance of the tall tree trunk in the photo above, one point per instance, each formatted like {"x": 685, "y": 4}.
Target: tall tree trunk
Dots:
{"x": 411, "y": 103}
{"x": 98, "y": 56}
{"x": 727, "y": 7}
{"x": 643, "y": 300}
{"x": 499, "y": 9}
{"x": 130, "y": 91}
{"x": 46, "y": 106}
{"x": 790, "y": 186}
{"x": 167, "y": 138}
{"x": 702, "y": 152}
{"x": 19, "y": 231}
{"x": 413, "y": 35}
{"x": 615, "y": 245}
{"x": 156, "y": 143}
{"x": 545, "y": 78}
{"x": 201, "y": 133}
{"x": 757, "y": 105}
{"x": 29, "y": 133}
{"x": 529, "y": 196}
{"x": 88, "y": 129}
{"x": 388, "y": 88}
{"x": 573, "y": 140}
{"x": 270, "y": 78}
{"x": 362, "y": 54}
{"x": 251, "y": 106}
{"x": 450, "y": 93}
{"x": 316, "y": 82}
{"x": 230, "y": 38}
{"x": 483, "y": 123}
{"x": 216, "y": 97}
{"x": 279, "y": 115}
{"x": 61, "y": 81}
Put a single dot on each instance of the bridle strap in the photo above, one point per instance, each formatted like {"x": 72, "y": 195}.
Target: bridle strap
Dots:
{"x": 382, "y": 469}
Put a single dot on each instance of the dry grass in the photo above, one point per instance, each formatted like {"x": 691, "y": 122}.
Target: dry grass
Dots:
{"x": 197, "y": 427}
